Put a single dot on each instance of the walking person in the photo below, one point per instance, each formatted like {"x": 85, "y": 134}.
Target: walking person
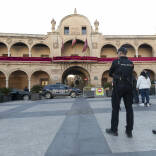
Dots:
{"x": 122, "y": 72}
{"x": 135, "y": 92}
{"x": 144, "y": 84}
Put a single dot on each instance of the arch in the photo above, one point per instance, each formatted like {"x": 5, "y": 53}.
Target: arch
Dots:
{"x": 2, "y": 80}
{"x": 4, "y": 72}
{"x": 18, "y": 79}
{"x": 108, "y": 50}
{"x": 145, "y": 50}
{"x": 76, "y": 50}
{"x": 39, "y": 77}
{"x": 105, "y": 78}
{"x": 130, "y": 49}
{"x": 19, "y": 49}
{"x": 17, "y": 69}
{"x": 3, "y": 49}
{"x": 40, "y": 50}
{"x": 80, "y": 77}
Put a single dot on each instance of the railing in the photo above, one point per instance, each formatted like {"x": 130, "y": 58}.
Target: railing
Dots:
{"x": 27, "y": 59}
{"x": 74, "y": 59}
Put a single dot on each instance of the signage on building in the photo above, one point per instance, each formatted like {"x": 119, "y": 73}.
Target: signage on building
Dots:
{"x": 99, "y": 91}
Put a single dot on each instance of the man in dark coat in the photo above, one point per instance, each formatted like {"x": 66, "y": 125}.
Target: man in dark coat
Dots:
{"x": 122, "y": 72}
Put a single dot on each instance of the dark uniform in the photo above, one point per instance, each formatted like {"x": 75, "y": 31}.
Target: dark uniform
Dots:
{"x": 121, "y": 71}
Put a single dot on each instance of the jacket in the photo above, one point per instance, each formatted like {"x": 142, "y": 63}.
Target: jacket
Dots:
{"x": 121, "y": 69}
{"x": 143, "y": 83}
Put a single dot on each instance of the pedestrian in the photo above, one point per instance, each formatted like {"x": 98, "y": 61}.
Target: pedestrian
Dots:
{"x": 26, "y": 89}
{"x": 144, "y": 84}
{"x": 135, "y": 92}
{"x": 122, "y": 72}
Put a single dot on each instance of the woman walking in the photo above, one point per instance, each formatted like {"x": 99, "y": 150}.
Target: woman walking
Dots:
{"x": 144, "y": 84}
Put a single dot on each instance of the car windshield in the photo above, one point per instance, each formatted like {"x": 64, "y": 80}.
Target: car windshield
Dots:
{"x": 15, "y": 90}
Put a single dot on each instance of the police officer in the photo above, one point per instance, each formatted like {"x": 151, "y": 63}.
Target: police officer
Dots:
{"x": 154, "y": 131}
{"x": 121, "y": 70}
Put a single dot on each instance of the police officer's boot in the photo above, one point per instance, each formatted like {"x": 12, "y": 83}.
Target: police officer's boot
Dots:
{"x": 111, "y": 132}
{"x": 154, "y": 131}
{"x": 129, "y": 134}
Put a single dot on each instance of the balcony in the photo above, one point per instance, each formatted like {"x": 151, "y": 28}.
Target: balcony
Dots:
{"x": 72, "y": 59}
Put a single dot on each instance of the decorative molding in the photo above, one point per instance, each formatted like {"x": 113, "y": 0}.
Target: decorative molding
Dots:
{"x": 55, "y": 45}
{"x": 136, "y": 42}
{"x": 30, "y": 41}
{"x": 94, "y": 45}
{"x": 118, "y": 43}
{"x": 9, "y": 40}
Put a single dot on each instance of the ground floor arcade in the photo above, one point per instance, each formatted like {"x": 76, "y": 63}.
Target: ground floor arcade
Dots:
{"x": 73, "y": 74}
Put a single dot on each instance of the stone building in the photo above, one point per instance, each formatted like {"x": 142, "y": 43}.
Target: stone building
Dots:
{"x": 74, "y": 53}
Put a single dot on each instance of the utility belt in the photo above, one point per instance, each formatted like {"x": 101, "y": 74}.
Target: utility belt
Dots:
{"x": 119, "y": 80}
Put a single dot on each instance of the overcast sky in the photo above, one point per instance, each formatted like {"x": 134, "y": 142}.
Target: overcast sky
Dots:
{"x": 116, "y": 17}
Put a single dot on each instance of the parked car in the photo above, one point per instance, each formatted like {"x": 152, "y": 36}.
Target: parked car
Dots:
{"x": 59, "y": 89}
{"x": 17, "y": 94}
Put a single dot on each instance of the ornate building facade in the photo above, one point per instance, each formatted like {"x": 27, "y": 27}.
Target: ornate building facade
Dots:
{"x": 74, "y": 48}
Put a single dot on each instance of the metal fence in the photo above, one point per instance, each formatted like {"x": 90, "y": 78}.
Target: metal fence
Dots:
{"x": 93, "y": 92}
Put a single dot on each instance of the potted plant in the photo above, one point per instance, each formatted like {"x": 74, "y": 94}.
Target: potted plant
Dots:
{"x": 35, "y": 92}
{"x": 5, "y": 94}
{"x": 108, "y": 88}
{"x": 1, "y": 96}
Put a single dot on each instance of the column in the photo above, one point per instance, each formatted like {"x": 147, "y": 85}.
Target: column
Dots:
{"x": 29, "y": 84}
{"x": 136, "y": 52}
{"x": 7, "y": 83}
{"x": 29, "y": 53}
{"x": 8, "y": 52}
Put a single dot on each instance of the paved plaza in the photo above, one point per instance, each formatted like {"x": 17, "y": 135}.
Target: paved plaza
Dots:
{"x": 73, "y": 127}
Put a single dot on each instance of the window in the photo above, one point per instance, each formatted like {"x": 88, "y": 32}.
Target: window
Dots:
{"x": 25, "y": 55}
{"x": 44, "y": 82}
{"x": 84, "y": 31}
{"x": 66, "y": 30}
{"x": 5, "y": 55}
{"x": 44, "y": 55}
{"x": 74, "y": 55}
{"x": 104, "y": 56}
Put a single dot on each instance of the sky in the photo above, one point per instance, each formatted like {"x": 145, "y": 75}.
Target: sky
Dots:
{"x": 116, "y": 17}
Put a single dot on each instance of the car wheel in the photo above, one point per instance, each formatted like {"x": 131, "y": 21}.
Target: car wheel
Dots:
{"x": 26, "y": 97}
{"x": 47, "y": 95}
{"x": 73, "y": 94}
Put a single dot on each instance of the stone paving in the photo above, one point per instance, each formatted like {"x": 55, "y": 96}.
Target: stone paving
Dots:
{"x": 73, "y": 127}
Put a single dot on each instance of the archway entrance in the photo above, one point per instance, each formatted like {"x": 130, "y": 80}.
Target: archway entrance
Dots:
{"x": 40, "y": 78}
{"x": 105, "y": 79}
{"x": 76, "y": 77}
{"x": 18, "y": 79}
{"x": 2, "y": 80}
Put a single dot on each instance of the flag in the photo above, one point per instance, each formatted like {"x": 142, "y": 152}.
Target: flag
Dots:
{"x": 73, "y": 42}
{"x": 62, "y": 48}
{"x": 85, "y": 46}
